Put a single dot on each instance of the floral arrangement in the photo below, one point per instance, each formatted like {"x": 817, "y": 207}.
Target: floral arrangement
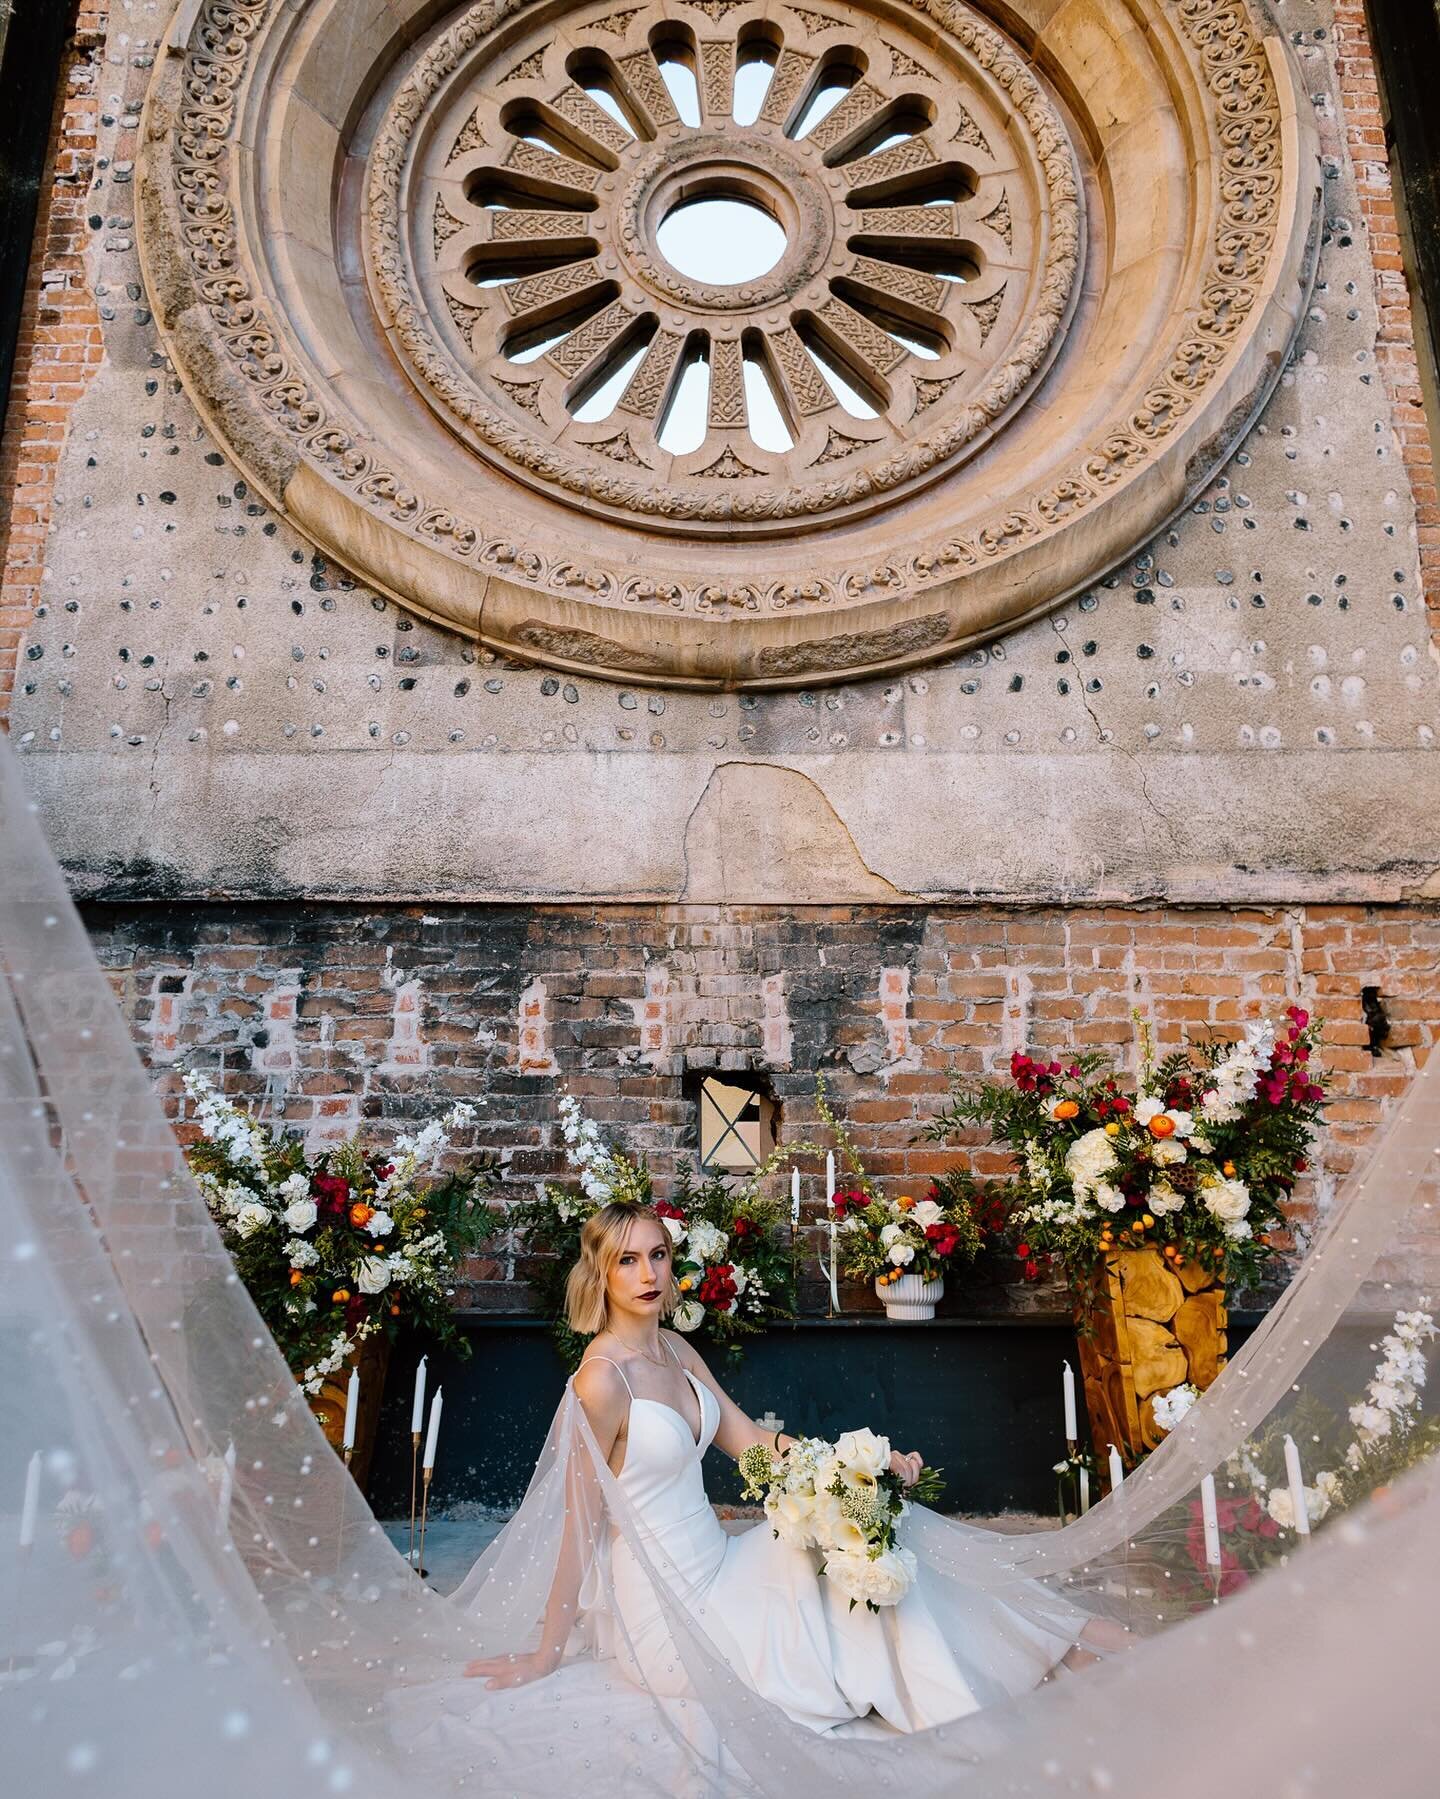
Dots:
{"x": 842, "y": 1499}
{"x": 880, "y": 1239}
{"x": 336, "y": 1247}
{"x": 732, "y": 1262}
{"x": 1379, "y": 1437}
{"x": 1197, "y": 1161}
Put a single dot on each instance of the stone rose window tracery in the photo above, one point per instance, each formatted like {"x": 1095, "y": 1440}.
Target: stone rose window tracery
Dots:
{"x": 915, "y": 247}
{"x": 466, "y": 294}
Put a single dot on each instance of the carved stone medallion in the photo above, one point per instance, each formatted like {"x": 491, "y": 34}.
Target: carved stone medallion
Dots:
{"x": 1024, "y": 294}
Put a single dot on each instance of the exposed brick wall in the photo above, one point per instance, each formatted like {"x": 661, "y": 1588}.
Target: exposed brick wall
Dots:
{"x": 1365, "y": 139}
{"x": 60, "y": 342}
{"x": 302, "y": 1008}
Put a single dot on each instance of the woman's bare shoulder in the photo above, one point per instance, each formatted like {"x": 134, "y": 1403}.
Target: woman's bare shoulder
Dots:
{"x": 686, "y": 1352}
{"x": 600, "y": 1383}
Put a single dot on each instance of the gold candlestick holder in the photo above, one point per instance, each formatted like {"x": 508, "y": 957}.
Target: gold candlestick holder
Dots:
{"x": 414, "y": 1472}
{"x": 425, "y": 1477}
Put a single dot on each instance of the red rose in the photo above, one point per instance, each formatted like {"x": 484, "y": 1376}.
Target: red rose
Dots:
{"x": 355, "y": 1308}
{"x": 664, "y": 1209}
{"x": 943, "y": 1238}
{"x": 742, "y": 1227}
{"x": 1032, "y": 1270}
{"x": 718, "y": 1287}
{"x": 1022, "y": 1250}
{"x": 332, "y": 1193}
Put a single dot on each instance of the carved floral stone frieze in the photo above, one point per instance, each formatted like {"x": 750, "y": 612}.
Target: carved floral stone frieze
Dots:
{"x": 413, "y": 278}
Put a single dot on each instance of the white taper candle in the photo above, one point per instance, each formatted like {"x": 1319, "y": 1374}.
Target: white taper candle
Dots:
{"x": 227, "y": 1487}
{"x": 829, "y": 1176}
{"x": 1211, "y": 1520}
{"x": 1296, "y": 1477}
{"x": 1084, "y": 1489}
{"x": 1117, "y": 1470}
{"x": 417, "y": 1407}
{"x": 1068, "y": 1385}
{"x": 352, "y": 1409}
{"x": 30, "y": 1505}
{"x": 432, "y": 1436}
{"x": 794, "y": 1197}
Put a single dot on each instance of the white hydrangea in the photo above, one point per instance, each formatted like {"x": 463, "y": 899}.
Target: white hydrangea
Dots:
{"x": 293, "y": 1187}
{"x": 381, "y": 1224}
{"x": 1088, "y": 1160}
{"x": 707, "y": 1243}
{"x": 1108, "y": 1198}
{"x": 1169, "y": 1408}
{"x": 902, "y": 1254}
{"x": 301, "y": 1253}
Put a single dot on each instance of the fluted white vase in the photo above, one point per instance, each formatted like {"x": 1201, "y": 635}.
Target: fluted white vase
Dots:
{"x": 912, "y": 1296}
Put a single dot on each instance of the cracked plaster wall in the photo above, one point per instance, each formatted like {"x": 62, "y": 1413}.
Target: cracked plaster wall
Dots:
{"x": 1246, "y": 712}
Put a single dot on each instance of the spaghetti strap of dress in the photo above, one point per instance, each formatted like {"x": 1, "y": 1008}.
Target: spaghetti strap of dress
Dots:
{"x": 616, "y": 1366}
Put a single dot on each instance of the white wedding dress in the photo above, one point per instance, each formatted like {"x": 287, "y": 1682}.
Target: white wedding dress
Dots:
{"x": 942, "y": 1652}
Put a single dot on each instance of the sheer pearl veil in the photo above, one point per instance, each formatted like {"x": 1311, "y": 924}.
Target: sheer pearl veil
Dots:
{"x": 204, "y": 1602}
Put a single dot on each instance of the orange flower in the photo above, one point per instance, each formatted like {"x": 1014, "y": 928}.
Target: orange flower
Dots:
{"x": 686, "y": 1284}
{"x": 361, "y": 1214}
{"x": 1067, "y": 1109}
{"x": 1229, "y": 1168}
{"x": 905, "y": 1202}
{"x": 394, "y": 1311}
{"x": 296, "y": 1277}
{"x": 340, "y": 1295}
{"x": 1162, "y": 1125}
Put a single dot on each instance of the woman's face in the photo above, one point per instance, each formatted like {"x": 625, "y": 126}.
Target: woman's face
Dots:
{"x": 639, "y": 1277}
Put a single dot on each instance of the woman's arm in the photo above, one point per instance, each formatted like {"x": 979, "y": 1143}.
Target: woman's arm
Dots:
{"x": 737, "y": 1432}
{"x": 603, "y": 1395}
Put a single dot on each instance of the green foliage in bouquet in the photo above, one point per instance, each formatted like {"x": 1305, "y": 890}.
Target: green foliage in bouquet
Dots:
{"x": 336, "y": 1247}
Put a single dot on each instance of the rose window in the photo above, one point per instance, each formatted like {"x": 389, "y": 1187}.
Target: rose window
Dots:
{"x": 765, "y": 250}
{"x": 727, "y": 342}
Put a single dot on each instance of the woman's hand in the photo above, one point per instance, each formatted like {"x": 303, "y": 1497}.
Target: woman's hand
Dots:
{"x": 908, "y": 1467}
{"x": 513, "y": 1670}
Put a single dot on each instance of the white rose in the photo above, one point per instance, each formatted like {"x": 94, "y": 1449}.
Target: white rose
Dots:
{"x": 380, "y": 1225}
{"x": 1226, "y": 1200}
{"x": 251, "y": 1218}
{"x": 889, "y": 1233}
{"x": 301, "y": 1253}
{"x": 1182, "y": 1121}
{"x": 300, "y": 1214}
{"x": 1167, "y": 1152}
{"x": 676, "y": 1228}
{"x": 926, "y": 1213}
{"x": 706, "y": 1243}
{"x": 863, "y": 1450}
{"x": 883, "y": 1579}
{"x": 1088, "y": 1159}
{"x": 901, "y": 1254}
{"x": 1237, "y": 1229}
{"x": 689, "y": 1315}
{"x": 373, "y": 1275}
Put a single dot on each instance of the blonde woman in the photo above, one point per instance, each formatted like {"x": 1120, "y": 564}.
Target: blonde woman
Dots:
{"x": 653, "y": 1409}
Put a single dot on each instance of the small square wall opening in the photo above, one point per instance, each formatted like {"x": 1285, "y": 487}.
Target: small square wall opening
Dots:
{"x": 739, "y": 1123}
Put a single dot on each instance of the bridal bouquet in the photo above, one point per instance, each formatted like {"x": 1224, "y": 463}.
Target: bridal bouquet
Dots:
{"x": 1198, "y": 1161}
{"x": 843, "y": 1500}
{"x": 732, "y": 1261}
{"x": 336, "y": 1247}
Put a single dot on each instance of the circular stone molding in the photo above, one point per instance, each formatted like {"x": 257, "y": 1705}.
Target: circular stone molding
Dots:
{"x": 1036, "y": 283}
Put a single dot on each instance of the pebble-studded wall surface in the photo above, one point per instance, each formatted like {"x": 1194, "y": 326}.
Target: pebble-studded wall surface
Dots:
{"x": 1246, "y": 711}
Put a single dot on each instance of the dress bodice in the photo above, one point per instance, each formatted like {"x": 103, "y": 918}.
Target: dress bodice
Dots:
{"x": 661, "y": 1475}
